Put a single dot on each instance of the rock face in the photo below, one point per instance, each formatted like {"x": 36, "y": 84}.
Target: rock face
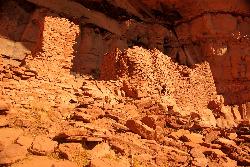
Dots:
{"x": 124, "y": 82}
{"x": 43, "y": 146}
{"x": 12, "y": 154}
{"x": 224, "y": 46}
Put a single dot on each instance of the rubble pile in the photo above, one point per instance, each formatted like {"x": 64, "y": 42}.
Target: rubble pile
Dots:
{"x": 122, "y": 83}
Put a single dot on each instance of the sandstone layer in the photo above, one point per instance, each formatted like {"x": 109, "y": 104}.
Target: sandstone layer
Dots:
{"x": 124, "y": 83}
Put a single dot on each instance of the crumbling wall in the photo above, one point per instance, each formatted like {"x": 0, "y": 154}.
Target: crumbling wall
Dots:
{"x": 160, "y": 72}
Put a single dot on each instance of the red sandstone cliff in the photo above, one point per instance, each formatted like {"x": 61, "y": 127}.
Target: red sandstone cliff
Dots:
{"x": 124, "y": 82}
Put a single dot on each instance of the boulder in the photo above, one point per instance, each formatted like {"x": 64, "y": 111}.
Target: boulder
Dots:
{"x": 207, "y": 118}
{"x": 43, "y": 145}
{"x": 192, "y": 137}
{"x": 25, "y": 141}
{"x": 101, "y": 150}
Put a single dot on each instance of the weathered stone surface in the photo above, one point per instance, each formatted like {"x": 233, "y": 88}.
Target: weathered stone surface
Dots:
{"x": 3, "y": 121}
{"x": 176, "y": 135}
{"x": 14, "y": 50}
{"x": 74, "y": 152}
{"x": 41, "y": 161}
{"x": 105, "y": 162}
{"x": 139, "y": 128}
{"x": 154, "y": 121}
{"x": 43, "y": 145}
{"x": 9, "y": 135}
{"x": 224, "y": 141}
{"x": 12, "y": 153}
{"x": 25, "y": 141}
{"x": 82, "y": 117}
{"x": 200, "y": 162}
{"x": 74, "y": 9}
{"x": 101, "y": 150}
{"x": 232, "y": 136}
{"x": 207, "y": 118}
{"x": 4, "y": 107}
{"x": 128, "y": 107}
{"x": 192, "y": 137}
{"x": 211, "y": 136}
